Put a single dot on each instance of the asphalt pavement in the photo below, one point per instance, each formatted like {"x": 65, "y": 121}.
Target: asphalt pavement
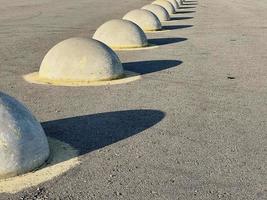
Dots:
{"x": 194, "y": 126}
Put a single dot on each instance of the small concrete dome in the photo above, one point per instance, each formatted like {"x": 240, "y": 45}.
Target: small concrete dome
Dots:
{"x": 159, "y": 11}
{"x": 23, "y": 143}
{"x": 121, "y": 34}
{"x": 174, "y": 3}
{"x": 145, "y": 19}
{"x": 80, "y": 59}
{"x": 165, "y": 4}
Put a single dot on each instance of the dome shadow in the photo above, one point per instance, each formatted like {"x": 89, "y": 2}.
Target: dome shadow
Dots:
{"x": 91, "y": 132}
{"x": 165, "y": 41}
{"x": 175, "y": 27}
{"x": 146, "y": 67}
{"x": 187, "y": 7}
{"x": 185, "y": 12}
{"x": 186, "y": 2}
{"x": 190, "y": 4}
{"x": 180, "y": 18}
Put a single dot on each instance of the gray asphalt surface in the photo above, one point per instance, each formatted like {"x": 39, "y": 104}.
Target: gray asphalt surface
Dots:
{"x": 193, "y": 128}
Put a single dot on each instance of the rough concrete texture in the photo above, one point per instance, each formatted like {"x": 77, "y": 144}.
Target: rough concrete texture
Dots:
{"x": 194, "y": 127}
{"x": 119, "y": 34}
{"x": 23, "y": 144}
{"x": 159, "y": 11}
{"x": 174, "y": 3}
{"x": 165, "y": 4}
{"x": 145, "y": 19}
{"x": 62, "y": 158}
{"x": 80, "y": 59}
{"x": 180, "y": 2}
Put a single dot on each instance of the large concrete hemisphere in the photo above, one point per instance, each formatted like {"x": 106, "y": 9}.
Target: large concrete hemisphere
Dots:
{"x": 165, "y": 4}
{"x": 23, "y": 144}
{"x": 159, "y": 11}
{"x": 145, "y": 19}
{"x": 174, "y": 3}
{"x": 119, "y": 34}
{"x": 80, "y": 59}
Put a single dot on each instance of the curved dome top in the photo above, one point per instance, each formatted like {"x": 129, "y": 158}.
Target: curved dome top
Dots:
{"x": 174, "y": 3}
{"x": 165, "y": 4}
{"x": 121, "y": 34}
{"x": 23, "y": 144}
{"x": 159, "y": 11}
{"x": 80, "y": 59}
{"x": 145, "y": 19}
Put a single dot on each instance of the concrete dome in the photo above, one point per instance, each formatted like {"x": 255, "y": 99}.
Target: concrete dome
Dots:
{"x": 159, "y": 11}
{"x": 174, "y": 3}
{"x": 120, "y": 34}
{"x": 179, "y": 2}
{"x": 23, "y": 144}
{"x": 145, "y": 19}
{"x": 165, "y": 4}
{"x": 80, "y": 59}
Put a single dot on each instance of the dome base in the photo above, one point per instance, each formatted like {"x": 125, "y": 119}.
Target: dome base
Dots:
{"x": 125, "y": 78}
{"x": 158, "y": 31}
{"x": 149, "y": 46}
{"x": 63, "y": 157}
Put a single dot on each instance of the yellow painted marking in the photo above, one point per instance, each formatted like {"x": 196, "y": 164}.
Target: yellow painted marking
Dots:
{"x": 63, "y": 157}
{"x": 158, "y": 31}
{"x": 150, "y": 46}
{"x": 128, "y": 77}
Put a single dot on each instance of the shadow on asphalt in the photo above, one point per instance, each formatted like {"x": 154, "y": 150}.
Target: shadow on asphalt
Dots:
{"x": 91, "y": 132}
{"x": 190, "y": 4}
{"x": 185, "y": 12}
{"x": 186, "y": 7}
{"x": 165, "y": 41}
{"x": 180, "y": 18}
{"x": 174, "y": 27}
{"x": 185, "y": 2}
{"x": 146, "y": 67}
